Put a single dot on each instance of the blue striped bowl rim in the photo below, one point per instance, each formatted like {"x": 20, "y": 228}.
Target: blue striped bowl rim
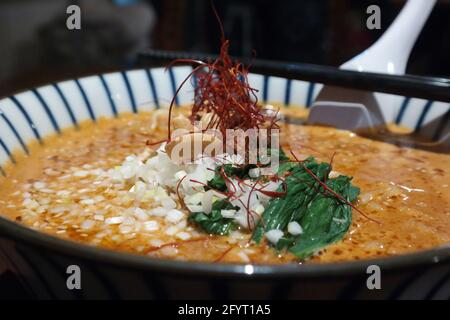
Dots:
{"x": 36, "y": 113}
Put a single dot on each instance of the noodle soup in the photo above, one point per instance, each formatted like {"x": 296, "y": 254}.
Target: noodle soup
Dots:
{"x": 84, "y": 186}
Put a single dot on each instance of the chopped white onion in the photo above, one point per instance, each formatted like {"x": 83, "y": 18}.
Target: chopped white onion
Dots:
{"x": 159, "y": 212}
{"x": 228, "y": 213}
{"x": 295, "y": 228}
{"x": 258, "y": 209}
{"x": 194, "y": 208}
{"x": 207, "y": 201}
{"x": 140, "y": 214}
{"x": 87, "y": 224}
{"x": 151, "y": 225}
{"x": 114, "y": 220}
{"x": 174, "y": 216}
{"x": 274, "y": 235}
{"x": 183, "y": 235}
{"x": 168, "y": 203}
{"x": 254, "y": 172}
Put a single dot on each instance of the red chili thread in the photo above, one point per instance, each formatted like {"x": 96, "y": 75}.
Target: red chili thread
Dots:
{"x": 223, "y": 90}
{"x": 178, "y": 243}
{"x": 178, "y": 191}
{"x": 223, "y": 254}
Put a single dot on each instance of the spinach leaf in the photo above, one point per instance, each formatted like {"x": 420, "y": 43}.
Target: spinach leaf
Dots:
{"x": 301, "y": 189}
{"x": 276, "y": 152}
{"x": 218, "y": 182}
{"x": 323, "y": 217}
{"x": 241, "y": 172}
{"x": 214, "y": 222}
{"x": 326, "y": 219}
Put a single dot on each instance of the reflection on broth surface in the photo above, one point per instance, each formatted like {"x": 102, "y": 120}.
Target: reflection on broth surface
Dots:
{"x": 65, "y": 188}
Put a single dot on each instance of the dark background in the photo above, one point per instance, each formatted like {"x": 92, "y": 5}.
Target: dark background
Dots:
{"x": 36, "y": 47}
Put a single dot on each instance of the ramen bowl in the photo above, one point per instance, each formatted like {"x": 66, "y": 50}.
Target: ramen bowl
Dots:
{"x": 43, "y": 265}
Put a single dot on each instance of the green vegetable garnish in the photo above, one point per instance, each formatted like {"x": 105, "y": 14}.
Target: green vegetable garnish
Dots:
{"x": 218, "y": 182}
{"x": 321, "y": 206}
{"x": 214, "y": 223}
{"x": 323, "y": 217}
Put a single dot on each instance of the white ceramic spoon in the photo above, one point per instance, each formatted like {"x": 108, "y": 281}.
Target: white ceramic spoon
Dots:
{"x": 355, "y": 109}
{"x": 391, "y": 52}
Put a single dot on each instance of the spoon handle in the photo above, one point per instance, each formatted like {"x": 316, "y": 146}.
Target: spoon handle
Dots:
{"x": 390, "y": 53}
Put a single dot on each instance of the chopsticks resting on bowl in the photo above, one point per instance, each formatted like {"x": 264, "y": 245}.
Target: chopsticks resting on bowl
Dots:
{"x": 407, "y": 85}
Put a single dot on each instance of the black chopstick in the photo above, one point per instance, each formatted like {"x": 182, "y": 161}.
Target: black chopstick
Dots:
{"x": 407, "y": 85}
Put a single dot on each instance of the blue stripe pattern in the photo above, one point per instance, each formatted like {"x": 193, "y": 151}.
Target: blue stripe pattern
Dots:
{"x": 153, "y": 87}
{"x": 47, "y": 111}
{"x": 155, "y": 286}
{"x": 173, "y": 83}
{"x": 27, "y": 118}
{"x": 438, "y": 285}
{"x": 8, "y": 152}
{"x": 423, "y": 115}
{"x": 287, "y": 93}
{"x": 58, "y": 268}
{"x": 66, "y": 105}
{"x": 404, "y": 284}
{"x": 37, "y": 271}
{"x": 402, "y": 110}
{"x": 309, "y": 95}
{"x": 109, "y": 95}
{"x": 288, "y": 90}
{"x": 130, "y": 91}
{"x": 15, "y": 132}
{"x": 265, "y": 89}
{"x": 444, "y": 122}
{"x": 194, "y": 81}
{"x": 86, "y": 100}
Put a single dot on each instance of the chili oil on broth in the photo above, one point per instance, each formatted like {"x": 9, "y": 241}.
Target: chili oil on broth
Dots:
{"x": 76, "y": 202}
{"x": 405, "y": 190}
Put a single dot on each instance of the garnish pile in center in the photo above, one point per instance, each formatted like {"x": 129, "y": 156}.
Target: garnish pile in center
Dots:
{"x": 302, "y": 206}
